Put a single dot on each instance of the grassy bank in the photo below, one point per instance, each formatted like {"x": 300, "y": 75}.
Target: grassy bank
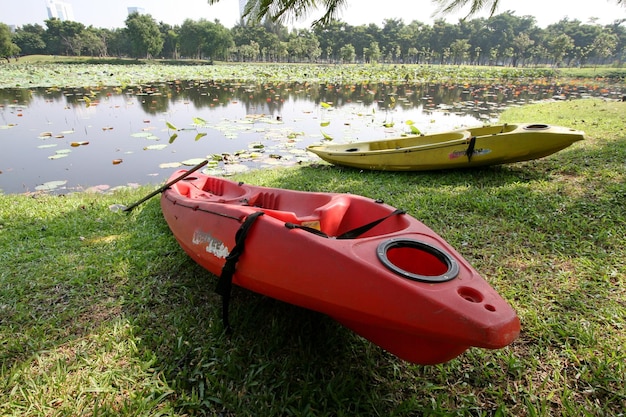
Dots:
{"x": 102, "y": 314}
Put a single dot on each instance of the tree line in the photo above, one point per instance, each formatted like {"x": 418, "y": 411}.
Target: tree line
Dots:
{"x": 503, "y": 39}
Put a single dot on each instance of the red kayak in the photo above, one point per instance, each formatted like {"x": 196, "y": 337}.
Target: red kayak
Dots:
{"x": 371, "y": 267}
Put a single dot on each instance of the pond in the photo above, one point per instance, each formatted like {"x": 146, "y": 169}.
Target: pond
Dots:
{"x": 65, "y": 140}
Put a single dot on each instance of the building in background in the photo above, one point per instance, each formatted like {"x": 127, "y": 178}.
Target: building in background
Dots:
{"x": 139, "y": 10}
{"x": 60, "y": 10}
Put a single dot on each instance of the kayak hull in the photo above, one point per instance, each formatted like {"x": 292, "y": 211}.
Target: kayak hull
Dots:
{"x": 398, "y": 284}
{"x": 464, "y": 148}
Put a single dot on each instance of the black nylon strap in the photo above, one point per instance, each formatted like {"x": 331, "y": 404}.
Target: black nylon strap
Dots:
{"x": 307, "y": 228}
{"x": 470, "y": 149}
{"x": 225, "y": 281}
{"x": 350, "y": 234}
{"x": 354, "y": 233}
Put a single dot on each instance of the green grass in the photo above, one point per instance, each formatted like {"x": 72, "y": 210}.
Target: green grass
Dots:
{"x": 102, "y": 314}
{"x": 594, "y": 72}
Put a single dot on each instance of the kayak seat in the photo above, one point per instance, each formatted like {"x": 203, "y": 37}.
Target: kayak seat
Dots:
{"x": 324, "y": 214}
{"x": 384, "y": 145}
{"x": 332, "y": 214}
{"x": 223, "y": 188}
{"x": 182, "y": 188}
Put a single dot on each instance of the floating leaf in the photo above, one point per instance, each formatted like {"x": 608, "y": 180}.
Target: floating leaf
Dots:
{"x": 155, "y": 147}
{"x": 50, "y": 185}
{"x": 326, "y": 105}
{"x": 76, "y": 144}
{"x": 326, "y": 136}
{"x": 142, "y": 135}
{"x": 193, "y": 161}
{"x": 199, "y": 121}
{"x": 87, "y": 101}
{"x": 117, "y": 161}
{"x": 173, "y": 137}
{"x": 170, "y": 126}
{"x": 415, "y": 130}
{"x": 170, "y": 165}
{"x": 200, "y": 135}
{"x": 388, "y": 124}
{"x": 410, "y": 122}
{"x": 235, "y": 169}
{"x": 294, "y": 135}
{"x": 61, "y": 153}
{"x": 324, "y": 124}
{"x": 51, "y": 145}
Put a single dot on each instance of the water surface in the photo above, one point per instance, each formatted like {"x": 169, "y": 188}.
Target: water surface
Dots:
{"x": 78, "y": 139}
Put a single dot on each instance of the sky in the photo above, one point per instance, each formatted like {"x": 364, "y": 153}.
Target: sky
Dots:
{"x": 112, "y": 13}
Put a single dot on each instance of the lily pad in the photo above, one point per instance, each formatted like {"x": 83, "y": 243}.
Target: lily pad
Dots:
{"x": 61, "y": 153}
{"x": 142, "y": 135}
{"x": 193, "y": 161}
{"x": 155, "y": 147}
{"x": 50, "y": 185}
{"x": 232, "y": 169}
{"x": 166, "y": 165}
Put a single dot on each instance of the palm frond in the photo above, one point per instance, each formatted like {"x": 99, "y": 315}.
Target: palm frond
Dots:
{"x": 281, "y": 10}
{"x": 450, "y": 6}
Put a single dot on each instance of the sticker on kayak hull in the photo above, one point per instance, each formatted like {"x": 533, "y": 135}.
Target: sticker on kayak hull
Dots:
{"x": 458, "y": 154}
{"x": 214, "y": 246}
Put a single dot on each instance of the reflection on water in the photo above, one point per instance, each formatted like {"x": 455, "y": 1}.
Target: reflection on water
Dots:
{"x": 77, "y": 137}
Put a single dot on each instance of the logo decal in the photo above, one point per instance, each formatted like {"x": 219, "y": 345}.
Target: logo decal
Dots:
{"x": 213, "y": 245}
{"x": 458, "y": 154}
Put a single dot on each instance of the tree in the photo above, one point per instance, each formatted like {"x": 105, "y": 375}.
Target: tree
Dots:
{"x": 63, "y": 37}
{"x": 144, "y": 35}
{"x": 304, "y": 45}
{"x": 558, "y": 47}
{"x": 460, "y": 51}
{"x": 521, "y": 44}
{"x": 29, "y": 38}
{"x": 170, "y": 40}
{"x": 389, "y": 37}
{"x": 268, "y": 41}
{"x": 118, "y": 43}
{"x": 7, "y": 47}
{"x": 372, "y": 53}
{"x": 93, "y": 42}
{"x": 347, "y": 53}
{"x": 604, "y": 45}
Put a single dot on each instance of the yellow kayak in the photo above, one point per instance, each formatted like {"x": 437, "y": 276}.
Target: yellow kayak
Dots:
{"x": 464, "y": 148}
